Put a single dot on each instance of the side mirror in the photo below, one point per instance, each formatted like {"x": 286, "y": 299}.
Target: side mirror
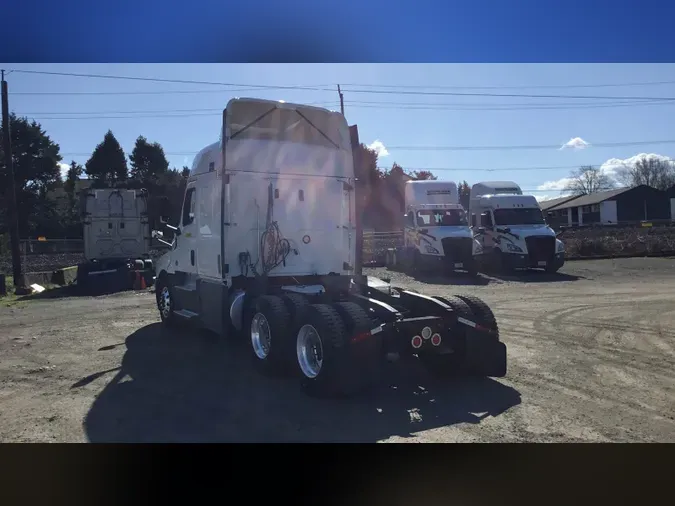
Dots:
{"x": 486, "y": 220}
{"x": 481, "y": 230}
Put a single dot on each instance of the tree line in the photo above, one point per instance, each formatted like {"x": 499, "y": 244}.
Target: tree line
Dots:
{"x": 651, "y": 171}
{"x": 36, "y": 159}
{"x": 48, "y": 205}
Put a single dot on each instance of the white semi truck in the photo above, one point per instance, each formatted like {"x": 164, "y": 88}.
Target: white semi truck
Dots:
{"x": 266, "y": 250}
{"x": 116, "y": 235}
{"x": 511, "y": 229}
{"x": 436, "y": 230}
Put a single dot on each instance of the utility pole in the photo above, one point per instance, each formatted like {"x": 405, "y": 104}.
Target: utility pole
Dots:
{"x": 10, "y": 192}
{"x": 342, "y": 102}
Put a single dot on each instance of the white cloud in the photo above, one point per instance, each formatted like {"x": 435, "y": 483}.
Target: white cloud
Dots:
{"x": 64, "y": 170}
{"x": 557, "y": 185}
{"x": 614, "y": 166}
{"x": 611, "y": 168}
{"x": 575, "y": 143}
{"x": 379, "y": 148}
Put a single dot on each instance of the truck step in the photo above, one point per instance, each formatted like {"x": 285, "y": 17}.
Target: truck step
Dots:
{"x": 184, "y": 313}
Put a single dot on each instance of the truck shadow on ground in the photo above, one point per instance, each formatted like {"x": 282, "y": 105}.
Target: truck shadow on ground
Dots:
{"x": 440, "y": 277}
{"x": 534, "y": 276}
{"x": 183, "y": 386}
{"x": 459, "y": 279}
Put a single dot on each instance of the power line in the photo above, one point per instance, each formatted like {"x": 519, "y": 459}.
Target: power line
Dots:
{"x": 375, "y": 105}
{"x": 525, "y": 147}
{"x": 469, "y": 148}
{"x": 502, "y": 107}
{"x": 511, "y": 95}
{"x": 154, "y": 92}
{"x": 475, "y": 169}
{"x": 183, "y": 113}
{"x": 510, "y": 87}
{"x": 218, "y": 111}
{"x": 176, "y": 81}
{"x": 318, "y": 88}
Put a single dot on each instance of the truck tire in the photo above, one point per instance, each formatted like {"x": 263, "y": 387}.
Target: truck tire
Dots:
{"x": 83, "y": 278}
{"x": 472, "y": 268}
{"x": 482, "y": 313}
{"x": 450, "y": 364}
{"x": 552, "y": 268}
{"x": 165, "y": 302}
{"x": 501, "y": 266}
{"x": 296, "y": 305}
{"x": 269, "y": 326}
{"x": 366, "y": 351}
{"x": 330, "y": 364}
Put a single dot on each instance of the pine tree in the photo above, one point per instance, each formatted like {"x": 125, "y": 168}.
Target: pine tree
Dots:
{"x": 108, "y": 164}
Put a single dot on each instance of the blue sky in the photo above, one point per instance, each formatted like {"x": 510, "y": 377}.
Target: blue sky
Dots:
{"x": 185, "y": 122}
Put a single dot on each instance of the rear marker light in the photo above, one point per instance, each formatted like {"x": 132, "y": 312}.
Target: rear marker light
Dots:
{"x": 426, "y": 333}
{"x": 416, "y": 342}
{"x": 360, "y": 337}
{"x": 436, "y": 339}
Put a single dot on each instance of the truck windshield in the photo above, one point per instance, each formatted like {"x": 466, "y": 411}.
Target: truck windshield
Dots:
{"x": 441, "y": 218}
{"x": 260, "y": 121}
{"x": 519, "y": 216}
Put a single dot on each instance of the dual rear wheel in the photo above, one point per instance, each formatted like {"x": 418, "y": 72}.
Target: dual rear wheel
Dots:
{"x": 327, "y": 346}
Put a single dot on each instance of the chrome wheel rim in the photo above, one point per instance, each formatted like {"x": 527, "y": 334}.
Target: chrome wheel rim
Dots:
{"x": 310, "y": 351}
{"x": 165, "y": 302}
{"x": 260, "y": 336}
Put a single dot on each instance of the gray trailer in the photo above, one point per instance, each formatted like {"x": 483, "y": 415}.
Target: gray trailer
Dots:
{"x": 116, "y": 234}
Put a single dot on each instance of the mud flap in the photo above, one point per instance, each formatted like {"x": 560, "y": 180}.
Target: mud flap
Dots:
{"x": 485, "y": 355}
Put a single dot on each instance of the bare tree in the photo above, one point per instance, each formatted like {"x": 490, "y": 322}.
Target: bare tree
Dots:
{"x": 588, "y": 179}
{"x": 654, "y": 172}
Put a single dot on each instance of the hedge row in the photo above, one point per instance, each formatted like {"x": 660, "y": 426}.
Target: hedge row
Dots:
{"x": 579, "y": 243}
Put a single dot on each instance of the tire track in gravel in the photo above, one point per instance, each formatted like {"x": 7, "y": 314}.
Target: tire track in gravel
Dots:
{"x": 562, "y": 325}
{"x": 595, "y": 366}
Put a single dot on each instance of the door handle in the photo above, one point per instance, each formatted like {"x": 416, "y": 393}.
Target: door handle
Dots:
{"x": 192, "y": 256}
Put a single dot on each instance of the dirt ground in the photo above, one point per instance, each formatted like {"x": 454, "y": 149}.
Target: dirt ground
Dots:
{"x": 591, "y": 358}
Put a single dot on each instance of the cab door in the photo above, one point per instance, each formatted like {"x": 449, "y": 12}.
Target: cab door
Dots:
{"x": 185, "y": 253}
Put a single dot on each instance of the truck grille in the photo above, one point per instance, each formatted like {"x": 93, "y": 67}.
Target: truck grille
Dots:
{"x": 540, "y": 247}
{"x": 458, "y": 248}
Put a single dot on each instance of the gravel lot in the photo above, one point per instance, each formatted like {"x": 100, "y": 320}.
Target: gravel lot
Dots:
{"x": 591, "y": 350}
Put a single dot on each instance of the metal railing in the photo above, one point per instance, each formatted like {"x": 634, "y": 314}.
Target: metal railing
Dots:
{"x": 375, "y": 245}
{"x": 50, "y": 246}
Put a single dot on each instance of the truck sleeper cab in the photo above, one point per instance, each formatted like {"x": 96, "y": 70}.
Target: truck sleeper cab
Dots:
{"x": 436, "y": 232}
{"x": 116, "y": 234}
{"x": 266, "y": 251}
{"x": 511, "y": 229}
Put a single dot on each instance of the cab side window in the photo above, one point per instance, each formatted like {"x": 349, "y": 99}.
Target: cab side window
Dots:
{"x": 189, "y": 207}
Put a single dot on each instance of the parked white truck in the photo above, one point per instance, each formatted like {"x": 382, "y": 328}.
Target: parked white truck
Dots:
{"x": 436, "y": 230}
{"x": 266, "y": 250}
{"x": 511, "y": 229}
{"x": 116, "y": 235}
